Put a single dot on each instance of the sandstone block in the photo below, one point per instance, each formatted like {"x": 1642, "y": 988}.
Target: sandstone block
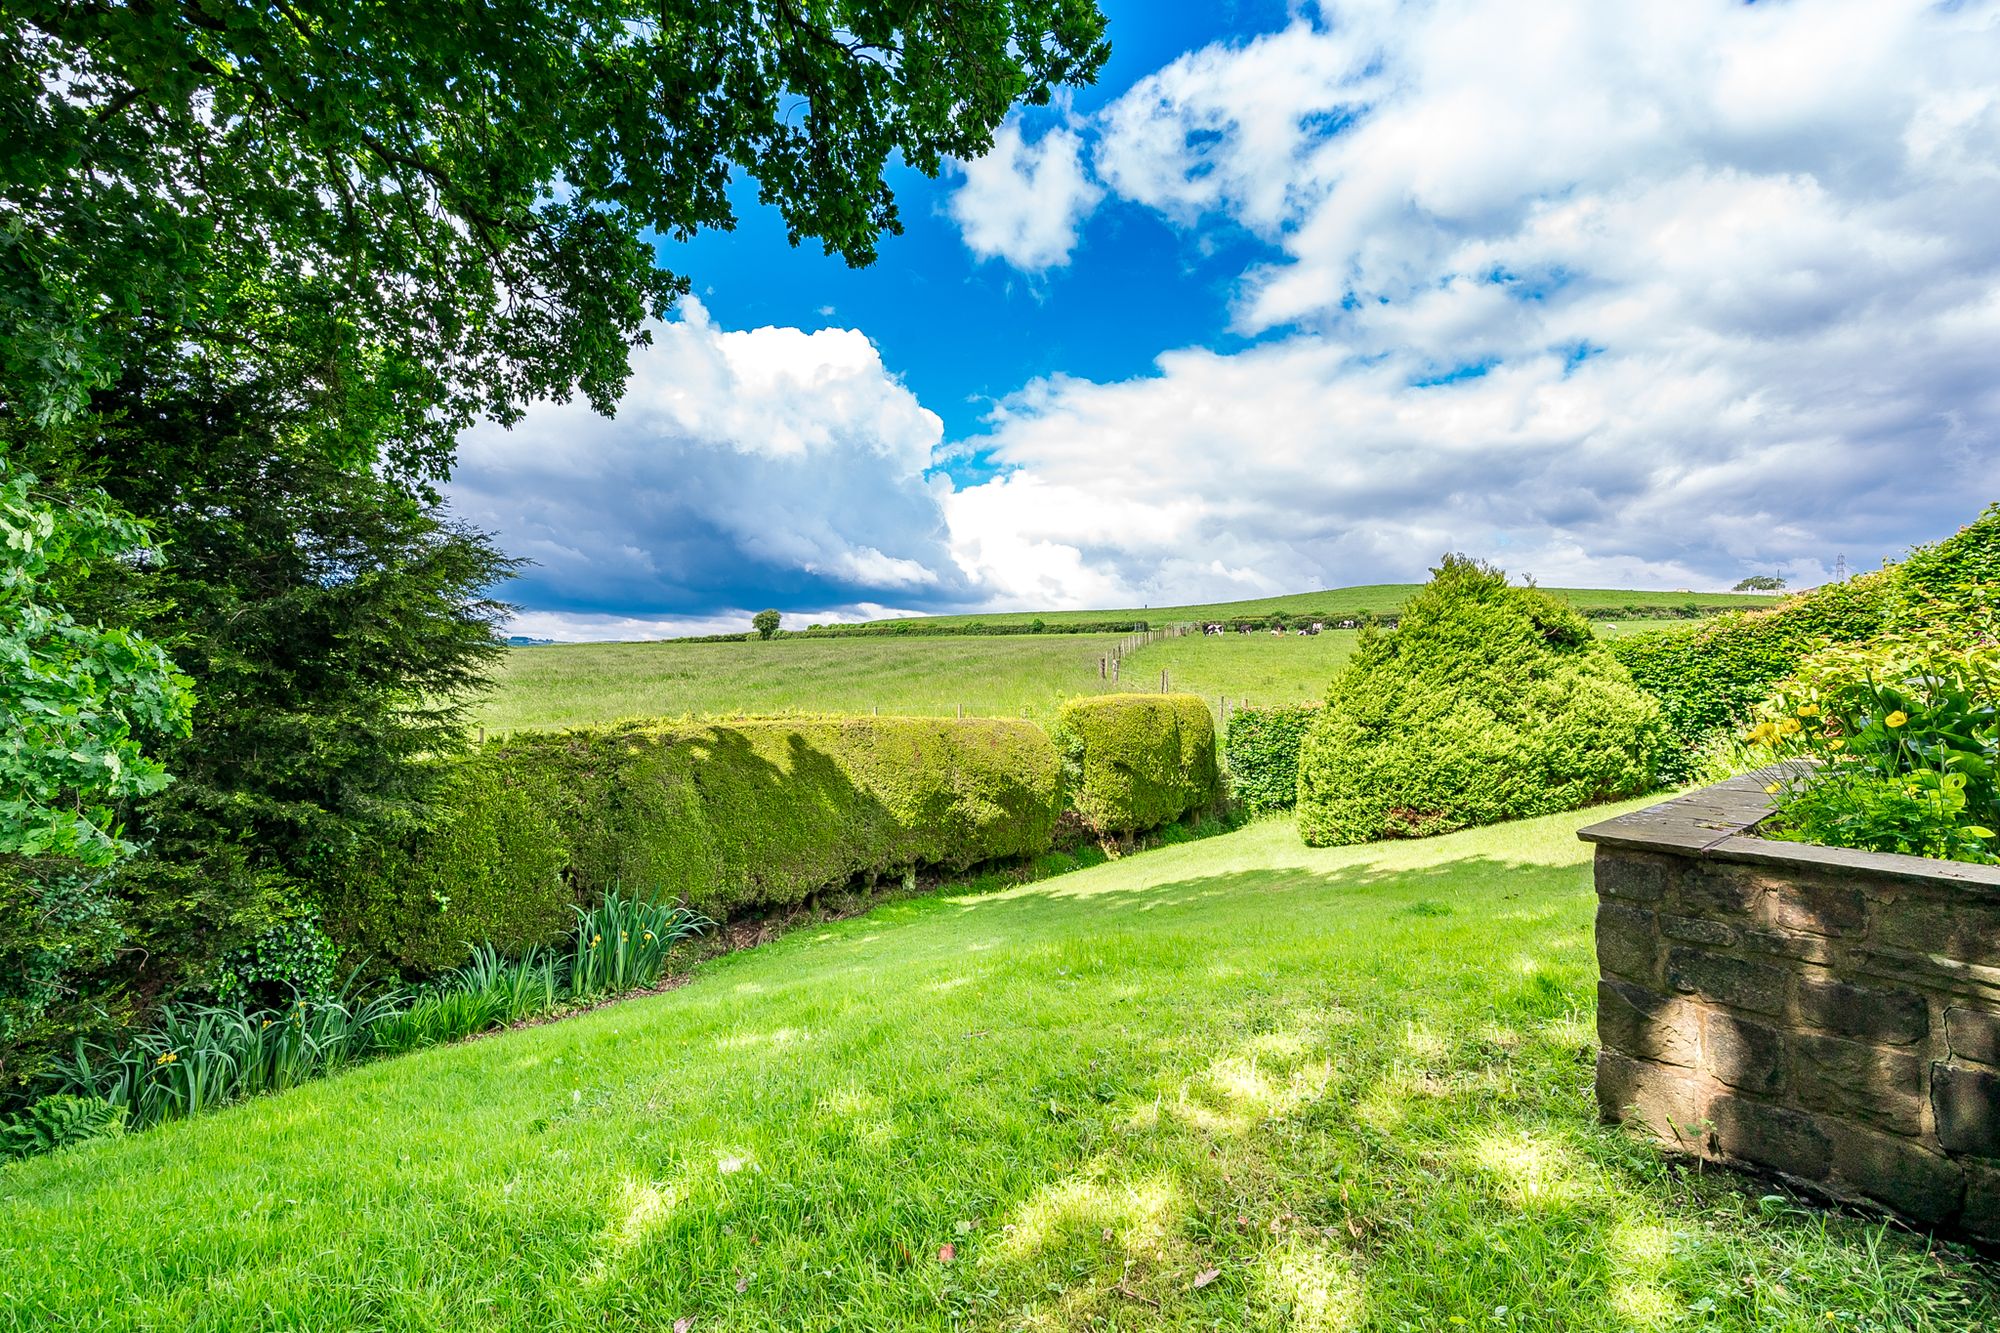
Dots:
{"x": 1896, "y": 1173}
{"x": 1745, "y": 1055}
{"x": 1626, "y": 943}
{"x": 1631, "y": 875}
{"x": 1736, "y": 982}
{"x": 1973, "y": 1034}
{"x": 1967, "y": 1104}
{"x": 1647, "y": 1026}
{"x": 1897, "y": 1017}
{"x": 1877, "y": 1085}
{"x": 1773, "y": 1136}
{"x": 1663, "y": 1100}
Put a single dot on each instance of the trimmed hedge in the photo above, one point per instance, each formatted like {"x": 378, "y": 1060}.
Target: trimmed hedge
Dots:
{"x": 1261, "y": 746}
{"x": 727, "y": 816}
{"x": 1137, "y": 761}
{"x": 1488, "y": 703}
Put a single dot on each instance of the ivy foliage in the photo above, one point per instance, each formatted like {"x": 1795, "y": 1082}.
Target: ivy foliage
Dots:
{"x": 1137, "y": 761}
{"x": 428, "y": 212}
{"x": 1488, "y": 702}
{"x": 1261, "y": 746}
{"x": 79, "y": 700}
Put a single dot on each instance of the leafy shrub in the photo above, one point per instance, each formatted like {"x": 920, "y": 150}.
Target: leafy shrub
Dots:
{"x": 1487, "y": 703}
{"x": 1137, "y": 761}
{"x": 725, "y": 817}
{"x": 1708, "y": 679}
{"x": 59, "y": 1121}
{"x": 292, "y": 958}
{"x": 1903, "y": 739}
{"x": 1262, "y": 749}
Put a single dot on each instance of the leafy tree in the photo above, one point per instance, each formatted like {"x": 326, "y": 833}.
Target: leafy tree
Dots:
{"x": 334, "y": 625}
{"x": 1760, "y": 583}
{"x": 78, "y": 699}
{"x": 78, "y": 702}
{"x": 426, "y": 212}
{"x": 765, "y": 623}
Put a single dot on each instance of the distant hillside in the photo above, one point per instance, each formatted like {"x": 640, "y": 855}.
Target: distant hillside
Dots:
{"x": 1376, "y": 599}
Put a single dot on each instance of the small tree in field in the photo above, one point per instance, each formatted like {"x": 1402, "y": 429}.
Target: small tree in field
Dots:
{"x": 1759, "y": 583}
{"x": 765, "y": 623}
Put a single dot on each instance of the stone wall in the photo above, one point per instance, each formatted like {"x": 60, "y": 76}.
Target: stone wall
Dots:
{"x": 1830, "y": 1015}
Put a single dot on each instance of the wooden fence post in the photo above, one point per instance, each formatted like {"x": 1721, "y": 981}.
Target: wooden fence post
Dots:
{"x": 1163, "y": 681}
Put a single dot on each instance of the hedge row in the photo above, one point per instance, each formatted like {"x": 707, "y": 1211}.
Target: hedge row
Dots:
{"x": 733, "y": 817}
{"x": 1262, "y": 748}
{"x": 1710, "y": 678}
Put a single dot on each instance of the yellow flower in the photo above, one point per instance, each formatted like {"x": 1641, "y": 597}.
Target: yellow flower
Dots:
{"x": 1789, "y": 725}
{"x": 1771, "y": 790}
{"x": 1836, "y": 744}
{"x": 1896, "y": 719}
{"x": 1763, "y": 731}
{"x": 1808, "y": 710}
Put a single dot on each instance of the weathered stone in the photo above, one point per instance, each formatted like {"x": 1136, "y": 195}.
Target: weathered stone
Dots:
{"x": 1792, "y": 945}
{"x": 1967, "y": 1103}
{"x": 1626, "y": 945}
{"x": 1773, "y": 1136}
{"x": 1973, "y": 1034}
{"x": 1743, "y": 1054}
{"x": 1697, "y": 930}
{"x": 1714, "y": 890}
{"x": 1966, "y": 932}
{"x": 1630, "y": 875}
{"x": 1736, "y": 982}
{"x": 1879, "y": 1085}
{"x": 1664, "y": 1101}
{"x": 1897, "y": 1017}
{"x": 1637, "y": 1022}
{"x": 1896, "y": 1172}
{"x": 1815, "y": 907}
{"x": 1980, "y": 1214}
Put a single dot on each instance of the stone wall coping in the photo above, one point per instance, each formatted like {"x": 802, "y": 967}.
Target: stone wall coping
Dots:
{"x": 1714, "y": 823}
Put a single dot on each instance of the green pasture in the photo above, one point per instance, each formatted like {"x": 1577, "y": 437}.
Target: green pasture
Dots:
{"x": 1010, "y": 675}
{"x": 1228, "y": 1084}
{"x": 1369, "y": 598}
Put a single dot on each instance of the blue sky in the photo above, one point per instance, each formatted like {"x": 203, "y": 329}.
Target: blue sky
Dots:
{"x": 1303, "y": 295}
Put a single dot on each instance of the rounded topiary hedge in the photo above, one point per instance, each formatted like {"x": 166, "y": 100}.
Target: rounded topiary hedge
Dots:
{"x": 1137, "y": 761}
{"x": 1261, "y": 748}
{"x": 1487, "y": 703}
{"x": 725, "y": 816}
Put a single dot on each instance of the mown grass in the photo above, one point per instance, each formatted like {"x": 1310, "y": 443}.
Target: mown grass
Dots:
{"x": 1235, "y": 1083}
{"x": 1371, "y": 598}
{"x": 1011, "y": 675}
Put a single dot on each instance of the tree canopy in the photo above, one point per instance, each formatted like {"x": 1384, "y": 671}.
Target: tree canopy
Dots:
{"x": 417, "y": 213}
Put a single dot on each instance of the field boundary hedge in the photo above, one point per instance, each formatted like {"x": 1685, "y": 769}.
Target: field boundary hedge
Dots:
{"x": 1261, "y": 748}
{"x": 1136, "y": 761}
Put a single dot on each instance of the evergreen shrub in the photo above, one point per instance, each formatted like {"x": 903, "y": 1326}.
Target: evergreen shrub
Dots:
{"x": 1261, "y": 746}
{"x": 1488, "y": 702}
{"x": 726, "y": 817}
{"x": 1137, "y": 761}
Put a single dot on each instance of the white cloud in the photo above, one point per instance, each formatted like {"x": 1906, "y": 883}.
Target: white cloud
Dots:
{"x": 1627, "y": 295}
{"x": 740, "y": 462}
{"x": 1024, "y": 202}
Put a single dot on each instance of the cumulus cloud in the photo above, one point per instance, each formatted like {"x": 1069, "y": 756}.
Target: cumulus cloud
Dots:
{"x": 1024, "y": 202}
{"x": 1645, "y": 296}
{"x": 761, "y": 464}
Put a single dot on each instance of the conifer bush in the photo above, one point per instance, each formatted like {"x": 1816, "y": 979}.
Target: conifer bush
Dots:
{"x": 1488, "y": 702}
{"x": 1137, "y": 761}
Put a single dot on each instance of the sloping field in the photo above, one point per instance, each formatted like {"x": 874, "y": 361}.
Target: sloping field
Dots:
{"x": 1370, "y": 598}
{"x": 1010, "y": 675}
{"x": 1229, "y": 1084}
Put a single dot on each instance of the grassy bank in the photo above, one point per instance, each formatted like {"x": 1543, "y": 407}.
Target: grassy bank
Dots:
{"x": 1233, "y": 1083}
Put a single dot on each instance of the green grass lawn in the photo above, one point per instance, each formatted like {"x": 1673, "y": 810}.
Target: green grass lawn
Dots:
{"x": 1234, "y": 1083}
{"x": 989, "y": 675}
{"x": 1371, "y": 598}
